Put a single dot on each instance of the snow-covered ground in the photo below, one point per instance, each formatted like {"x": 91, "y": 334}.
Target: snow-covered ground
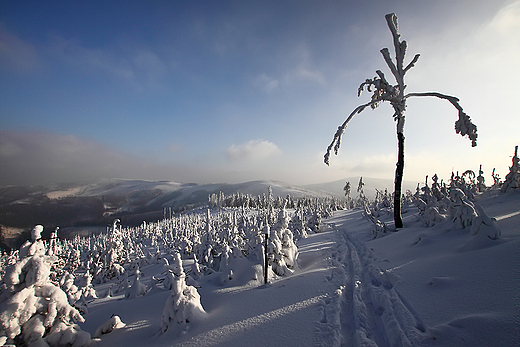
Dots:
{"x": 435, "y": 286}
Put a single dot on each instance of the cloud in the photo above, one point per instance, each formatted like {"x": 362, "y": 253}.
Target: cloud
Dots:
{"x": 37, "y": 157}
{"x": 73, "y": 53}
{"x": 252, "y": 151}
{"x": 40, "y": 157}
{"x": 376, "y": 165}
{"x": 139, "y": 66}
{"x": 266, "y": 83}
{"x": 299, "y": 68}
{"x": 305, "y": 73}
{"x": 16, "y": 54}
{"x": 507, "y": 19}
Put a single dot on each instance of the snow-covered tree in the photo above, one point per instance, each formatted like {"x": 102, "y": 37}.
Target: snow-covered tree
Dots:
{"x": 462, "y": 211}
{"x": 483, "y": 226}
{"x": 395, "y": 95}
{"x": 32, "y": 308}
{"x": 110, "y": 325}
{"x": 481, "y": 181}
{"x": 347, "y": 190}
{"x": 496, "y": 180}
{"x": 183, "y": 305}
{"x": 512, "y": 180}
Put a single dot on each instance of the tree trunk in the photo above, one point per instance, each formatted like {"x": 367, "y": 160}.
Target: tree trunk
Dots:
{"x": 266, "y": 259}
{"x": 399, "y": 181}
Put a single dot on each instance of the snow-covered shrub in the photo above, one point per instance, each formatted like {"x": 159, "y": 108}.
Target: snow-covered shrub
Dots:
{"x": 110, "y": 325}
{"x": 183, "y": 305}
{"x": 432, "y": 202}
{"x": 314, "y": 221}
{"x": 481, "y": 181}
{"x": 496, "y": 180}
{"x": 283, "y": 252}
{"x": 432, "y": 216}
{"x": 379, "y": 227}
{"x": 483, "y": 226}
{"x": 289, "y": 249}
{"x": 462, "y": 210}
{"x": 136, "y": 289}
{"x": 512, "y": 181}
{"x": 297, "y": 224}
{"x": 32, "y": 307}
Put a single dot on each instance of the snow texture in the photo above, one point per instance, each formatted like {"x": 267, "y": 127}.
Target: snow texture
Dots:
{"x": 449, "y": 283}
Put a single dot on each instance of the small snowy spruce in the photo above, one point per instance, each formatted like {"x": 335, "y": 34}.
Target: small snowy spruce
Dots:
{"x": 512, "y": 181}
{"x": 483, "y": 226}
{"x": 462, "y": 210}
{"x": 110, "y": 325}
{"x": 34, "y": 309}
{"x": 183, "y": 305}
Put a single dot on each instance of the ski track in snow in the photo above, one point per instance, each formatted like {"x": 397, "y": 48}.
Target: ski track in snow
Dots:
{"x": 368, "y": 309}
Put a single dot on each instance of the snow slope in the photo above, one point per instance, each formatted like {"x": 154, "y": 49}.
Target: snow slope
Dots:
{"x": 437, "y": 286}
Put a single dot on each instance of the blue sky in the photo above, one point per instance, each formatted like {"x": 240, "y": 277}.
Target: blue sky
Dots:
{"x": 231, "y": 91}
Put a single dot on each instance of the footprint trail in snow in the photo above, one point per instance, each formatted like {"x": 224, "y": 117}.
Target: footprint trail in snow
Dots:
{"x": 365, "y": 309}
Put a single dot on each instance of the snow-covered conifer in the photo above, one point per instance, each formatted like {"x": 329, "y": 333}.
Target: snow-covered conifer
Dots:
{"x": 512, "y": 181}
{"x": 32, "y": 307}
{"x": 462, "y": 211}
{"x": 183, "y": 305}
{"x": 481, "y": 181}
{"x": 483, "y": 226}
{"x": 110, "y": 325}
{"x": 136, "y": 289}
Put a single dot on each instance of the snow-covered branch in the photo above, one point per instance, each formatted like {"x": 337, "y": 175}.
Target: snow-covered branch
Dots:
{"x": 336, "y": 141}
{"x": 464, "y": 125}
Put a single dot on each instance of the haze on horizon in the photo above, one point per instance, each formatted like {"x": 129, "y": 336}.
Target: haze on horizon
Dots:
{"x": 234, "y": 91}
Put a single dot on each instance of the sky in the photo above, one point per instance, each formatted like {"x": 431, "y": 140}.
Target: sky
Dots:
{"x": 233, "y": 91}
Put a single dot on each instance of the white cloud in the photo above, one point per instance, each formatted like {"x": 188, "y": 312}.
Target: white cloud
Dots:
{"x": 15, "y": 54}
{"x": 38, "y": 157}
{"x": 252, "y": 151}
{"x": 305, "y": 73}
{"x": 139, "y": 66}
{"x": 304, "y": 70}
{"x": 266, "y": 83}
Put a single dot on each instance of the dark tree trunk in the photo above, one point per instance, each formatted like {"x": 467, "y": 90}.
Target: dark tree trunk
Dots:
{"x": 399, "y": 181}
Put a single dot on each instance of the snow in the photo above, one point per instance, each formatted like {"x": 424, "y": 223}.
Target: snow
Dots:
{"x": 421, "y": 286}
{"x": 442, "y": 285}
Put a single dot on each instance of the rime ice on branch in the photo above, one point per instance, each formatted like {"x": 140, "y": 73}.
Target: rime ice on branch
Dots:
{"x": 395, "y": 94}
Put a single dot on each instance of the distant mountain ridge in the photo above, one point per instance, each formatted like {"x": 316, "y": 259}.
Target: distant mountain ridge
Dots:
{"x": 98, "y": 202}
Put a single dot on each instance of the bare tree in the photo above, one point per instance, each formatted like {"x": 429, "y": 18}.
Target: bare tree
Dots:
{"x": 395, "y": 94}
